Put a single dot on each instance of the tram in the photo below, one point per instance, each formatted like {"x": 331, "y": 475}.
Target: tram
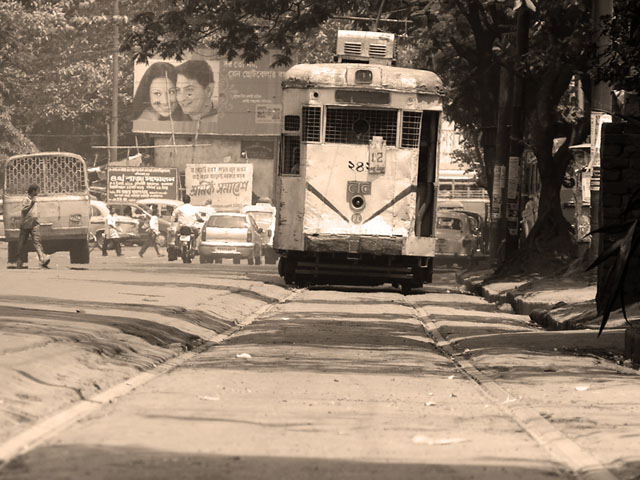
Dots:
{"x": 356, "y": 182}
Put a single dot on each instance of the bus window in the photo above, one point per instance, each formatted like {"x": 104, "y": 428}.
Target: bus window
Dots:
{"x": 290, "y": 158}
{"x": 358, "y": 126}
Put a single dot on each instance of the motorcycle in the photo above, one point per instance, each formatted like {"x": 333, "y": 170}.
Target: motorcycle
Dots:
{"x": 186, "y": 243}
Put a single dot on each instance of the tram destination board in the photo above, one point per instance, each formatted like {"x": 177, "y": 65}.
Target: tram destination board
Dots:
{"x": 129, "y": 184}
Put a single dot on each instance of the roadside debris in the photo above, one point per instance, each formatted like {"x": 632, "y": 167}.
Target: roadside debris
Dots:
{"x": 582, "y": 388}
{"x": 243, "y": 355}
{"x": 207, "y": 397}
{"x": 421, "y": 439}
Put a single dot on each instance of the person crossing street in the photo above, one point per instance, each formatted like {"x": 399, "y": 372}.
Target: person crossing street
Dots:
{"x": 152, "y": 234}
{"x": 29, "y": 226}
{"x": 111, "y": 234}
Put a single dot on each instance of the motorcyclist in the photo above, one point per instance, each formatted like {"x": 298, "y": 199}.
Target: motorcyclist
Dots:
{"x": 186, "y": 215}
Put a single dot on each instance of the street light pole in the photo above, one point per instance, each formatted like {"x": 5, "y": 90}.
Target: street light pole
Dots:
{"x": 113, "y": 153}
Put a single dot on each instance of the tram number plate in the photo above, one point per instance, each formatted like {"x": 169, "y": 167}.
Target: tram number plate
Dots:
{"x": 377, "y": 155}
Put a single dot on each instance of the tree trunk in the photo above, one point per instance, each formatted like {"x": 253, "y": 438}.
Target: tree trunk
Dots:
{"x": 550, "y": 244}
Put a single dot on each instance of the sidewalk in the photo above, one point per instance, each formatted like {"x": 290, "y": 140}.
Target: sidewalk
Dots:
{"x": 558, "y": 303}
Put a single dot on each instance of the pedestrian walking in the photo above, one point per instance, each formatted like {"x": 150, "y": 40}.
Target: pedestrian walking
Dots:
{"x": 152, "y": 234}
{"x": 111, "y": 233}
{"x": 29, "y": 226}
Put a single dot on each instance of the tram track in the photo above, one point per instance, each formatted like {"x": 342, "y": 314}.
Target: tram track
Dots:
{"x": 581, "y": 464}
{"x": 39, "y": 433}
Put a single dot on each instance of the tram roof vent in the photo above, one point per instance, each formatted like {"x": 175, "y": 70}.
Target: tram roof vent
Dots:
{"x": 366, "y": 47}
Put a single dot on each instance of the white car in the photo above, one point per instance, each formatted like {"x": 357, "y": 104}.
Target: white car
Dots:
{"x": 230, "y": 235}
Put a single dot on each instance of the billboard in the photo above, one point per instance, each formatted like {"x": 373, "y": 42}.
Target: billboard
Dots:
{"x": 129, "y": 184}
{"x": 227, "y": 185}
{"x": 205, "y": 94}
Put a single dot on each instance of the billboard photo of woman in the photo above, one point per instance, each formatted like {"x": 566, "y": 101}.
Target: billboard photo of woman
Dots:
{"x": 155, "y": 97}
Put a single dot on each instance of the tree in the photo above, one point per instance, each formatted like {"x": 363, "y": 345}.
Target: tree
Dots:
{"x": 620, "y": 65}
{"x": 56, "y": 87}
{"x": 467, "y": 42}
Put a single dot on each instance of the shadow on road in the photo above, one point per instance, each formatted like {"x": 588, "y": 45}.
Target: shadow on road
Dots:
{"x": 55, "y": 463}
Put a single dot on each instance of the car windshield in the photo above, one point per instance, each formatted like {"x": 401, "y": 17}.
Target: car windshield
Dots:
{"x": 449, "y": 223}
{"x": 226, "y": 221}
{"x": 262, "y": 218}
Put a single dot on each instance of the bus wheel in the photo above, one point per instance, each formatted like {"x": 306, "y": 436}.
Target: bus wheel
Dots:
{"x": 406, "y": 288}
{"x": 281, "y": 265}
{"x": 79, "y": 252}
{"x": 12, "y": 250}
{"x": 289, "y": 271}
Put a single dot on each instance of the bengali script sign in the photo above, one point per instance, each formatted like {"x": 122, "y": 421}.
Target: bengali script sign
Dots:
{"x": 227, "y": 185}
{"x": 129, "y": 184}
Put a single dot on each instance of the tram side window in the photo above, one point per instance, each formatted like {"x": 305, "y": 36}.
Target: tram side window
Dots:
{"x": 290, "y": 158}
{"x": 311, "y": 124}
{"x": 411, "y": 129}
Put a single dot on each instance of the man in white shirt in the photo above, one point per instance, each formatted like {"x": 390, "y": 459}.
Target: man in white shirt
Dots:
{"x": 111, "y": 233}
{"x": 152, "y": 234}
{"x": 186, "y": 214}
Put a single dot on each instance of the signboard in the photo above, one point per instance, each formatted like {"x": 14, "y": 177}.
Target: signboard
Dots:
{"x": 227, "y": 185}
{"x": 129, "y": 184}
{"x": 206, "y": 94}
{"x": 377, "y": 155}
{"x": 499, "y": 174}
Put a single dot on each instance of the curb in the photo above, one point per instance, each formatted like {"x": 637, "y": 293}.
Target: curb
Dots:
{"x": 632, "y": 345}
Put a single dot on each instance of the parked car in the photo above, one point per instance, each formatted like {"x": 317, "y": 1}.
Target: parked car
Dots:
{"x": 455, "y": 236}
{"x": 130, "y": 226}
{"x": 265, "y": 216}
{"x": 231, "y": 235}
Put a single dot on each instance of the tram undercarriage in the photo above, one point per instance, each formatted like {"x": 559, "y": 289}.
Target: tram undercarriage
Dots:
{"x": 341, "y": 268}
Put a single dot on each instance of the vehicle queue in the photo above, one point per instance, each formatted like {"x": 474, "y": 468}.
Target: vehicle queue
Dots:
{"x": 246, "y": 234}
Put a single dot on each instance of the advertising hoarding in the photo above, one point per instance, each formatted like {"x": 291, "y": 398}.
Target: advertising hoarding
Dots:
{"x": 205, "y": 94}
{"x": 129, "y": 184}
{"x": 227, "y": 185}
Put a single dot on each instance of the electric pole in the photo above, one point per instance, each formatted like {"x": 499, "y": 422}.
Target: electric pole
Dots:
{"x": 113, "y": 152}
{"x": 523, "y": 10}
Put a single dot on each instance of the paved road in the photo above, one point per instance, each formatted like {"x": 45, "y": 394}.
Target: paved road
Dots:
{"x": 323, "y": 383}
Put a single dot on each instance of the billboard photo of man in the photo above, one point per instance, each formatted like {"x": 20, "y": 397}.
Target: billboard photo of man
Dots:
{"x": 194, "y": 90}
{"x": 205, "y": 94}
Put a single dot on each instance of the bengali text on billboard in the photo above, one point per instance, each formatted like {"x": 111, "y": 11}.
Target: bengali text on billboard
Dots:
{"x": 129, "y": 184}
{"x": 227, "y": 185}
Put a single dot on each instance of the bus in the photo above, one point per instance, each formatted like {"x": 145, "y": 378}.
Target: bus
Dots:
{"x": 63, "y": 202}
{"x": 356, "y": 178}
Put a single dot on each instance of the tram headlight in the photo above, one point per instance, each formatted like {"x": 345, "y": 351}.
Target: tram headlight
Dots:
{"x": 357, "y": 202}
{"x": 356, "y": 192}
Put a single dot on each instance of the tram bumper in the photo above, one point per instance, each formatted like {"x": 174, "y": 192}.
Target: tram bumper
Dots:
{"x": 372, "y": 244}
{"x": 360, "y": 260}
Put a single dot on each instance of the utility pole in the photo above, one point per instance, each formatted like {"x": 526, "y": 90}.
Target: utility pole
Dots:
{"x": 498, "y": 225}
{"x": 601, "y": 106}
{"x": 523, "y": 9}
{"x": 113, "y": 152}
